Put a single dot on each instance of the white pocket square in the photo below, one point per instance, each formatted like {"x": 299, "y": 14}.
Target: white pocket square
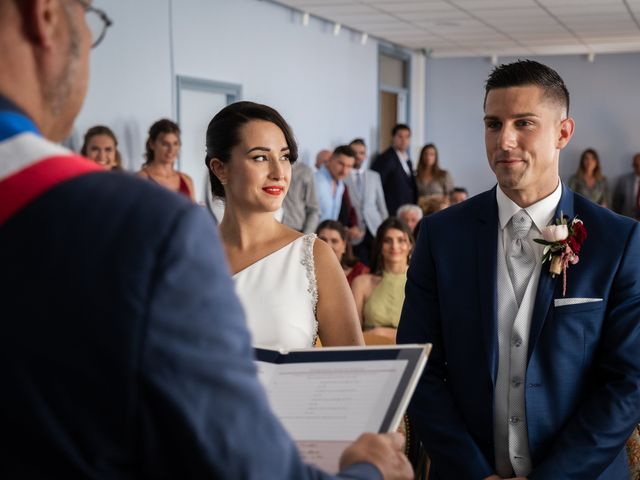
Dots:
{"x": 559, "y": 302}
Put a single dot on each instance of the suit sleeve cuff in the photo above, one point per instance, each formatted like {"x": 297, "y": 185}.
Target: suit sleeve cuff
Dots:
{"x": 359, "y": 471}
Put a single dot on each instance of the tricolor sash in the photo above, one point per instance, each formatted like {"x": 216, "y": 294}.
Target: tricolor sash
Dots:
{"x": 21, "y": 188}
{"x": 31, "y": 165}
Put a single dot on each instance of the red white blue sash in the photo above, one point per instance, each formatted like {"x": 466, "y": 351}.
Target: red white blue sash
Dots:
{"x": 31, "y": 165}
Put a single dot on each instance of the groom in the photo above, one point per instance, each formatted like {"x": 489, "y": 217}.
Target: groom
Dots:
{"x": 529, "y": 377}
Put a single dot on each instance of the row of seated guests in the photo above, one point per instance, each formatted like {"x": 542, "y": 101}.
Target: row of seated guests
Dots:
{"x": 362, "y": 198}
{"x": 378, "y": 295}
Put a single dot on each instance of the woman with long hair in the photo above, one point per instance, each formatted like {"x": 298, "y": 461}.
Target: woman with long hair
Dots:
{"x": 379, "y": 295}
{"x": 101, "y": 145}
{"x": 335, "y": 235}
{"x": 293, "y": 288}
{"x": 430, "y": 178}
{"x": 588, "y": 180}
{"x": 162, "y": 148}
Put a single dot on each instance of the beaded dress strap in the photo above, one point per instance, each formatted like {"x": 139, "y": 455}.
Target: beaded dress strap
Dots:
{"x": 310, "y": 269}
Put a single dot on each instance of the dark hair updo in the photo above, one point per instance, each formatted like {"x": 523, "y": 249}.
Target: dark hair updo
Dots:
{"x": 223, "y": 133}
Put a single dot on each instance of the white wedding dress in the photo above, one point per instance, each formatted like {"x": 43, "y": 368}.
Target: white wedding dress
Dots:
{"x": 279, "y": 295}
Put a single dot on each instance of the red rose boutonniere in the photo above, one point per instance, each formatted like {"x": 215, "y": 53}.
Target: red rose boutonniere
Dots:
{"x": 562, "y": 243}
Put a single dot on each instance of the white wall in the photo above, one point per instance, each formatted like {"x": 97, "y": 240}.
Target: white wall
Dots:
{"x": 131, "y": 83}
{"x": 605, "y": 102}
{"x": 325, "y": 86}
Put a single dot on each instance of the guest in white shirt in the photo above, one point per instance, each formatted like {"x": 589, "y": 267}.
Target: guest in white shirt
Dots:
{"x": 330, "y": 182}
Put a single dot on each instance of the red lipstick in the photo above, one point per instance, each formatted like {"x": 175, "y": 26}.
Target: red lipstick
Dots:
{"x": 273, "y": 190}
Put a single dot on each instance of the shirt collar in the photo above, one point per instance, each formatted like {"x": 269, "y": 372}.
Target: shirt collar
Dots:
{"x": 326, "y": 173}
{"x": 13, "y": 120}
{"x": 541, "y": 212}
{"x": 402, "y": 155}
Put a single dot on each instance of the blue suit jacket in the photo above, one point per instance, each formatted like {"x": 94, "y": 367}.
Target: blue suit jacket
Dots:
{"x": 399, "y": 188}
{"x": 583, "y": 374}
{"x": 124, "y": 351}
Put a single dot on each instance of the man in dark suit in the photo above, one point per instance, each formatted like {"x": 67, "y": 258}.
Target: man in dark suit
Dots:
{"x": 626, "y": 196}
{"x": 396, "y": 170}
{"x": 124, "y": 350}
{"x": 531, "y": 375}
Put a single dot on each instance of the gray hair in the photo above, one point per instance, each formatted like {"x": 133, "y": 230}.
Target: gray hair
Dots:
{"x": 408, "y": 208}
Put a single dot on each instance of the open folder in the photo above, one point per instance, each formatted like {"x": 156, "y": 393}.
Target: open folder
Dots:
{"x": 327, "y": 397}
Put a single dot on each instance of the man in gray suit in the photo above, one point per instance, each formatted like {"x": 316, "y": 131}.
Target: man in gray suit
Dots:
{"x": 300, "y": 207}
{"x": 626, "y": 198}
{"x": 367, "y": 197}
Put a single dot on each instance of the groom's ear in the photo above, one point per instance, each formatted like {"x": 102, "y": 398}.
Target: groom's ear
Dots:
{"x": 565, "y": 132}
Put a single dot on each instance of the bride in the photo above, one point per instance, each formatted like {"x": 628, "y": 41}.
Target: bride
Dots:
{"x": 291, "y": 286}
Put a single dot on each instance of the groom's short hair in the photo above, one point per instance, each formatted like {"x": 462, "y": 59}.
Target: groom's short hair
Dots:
{"x": 529, "y": 72}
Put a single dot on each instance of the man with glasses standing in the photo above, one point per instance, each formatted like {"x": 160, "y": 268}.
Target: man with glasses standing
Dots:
{"x": 124, "y": 351}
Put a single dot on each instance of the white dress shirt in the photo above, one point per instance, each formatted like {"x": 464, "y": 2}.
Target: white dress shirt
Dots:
{"x": 514, "y": 322}
{"x": 403, "y": 157}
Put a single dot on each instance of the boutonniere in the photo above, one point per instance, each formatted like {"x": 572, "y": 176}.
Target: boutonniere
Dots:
{"x": 562, "y": 243}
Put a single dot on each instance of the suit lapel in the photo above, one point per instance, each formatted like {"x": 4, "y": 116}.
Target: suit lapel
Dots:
{"x": 546, "y": 284}
{"x": 409, "y": 177}
{"x": 487, "y": 244}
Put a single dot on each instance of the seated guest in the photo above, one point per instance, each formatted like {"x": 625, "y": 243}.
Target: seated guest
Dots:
{"x": 430, "y": 178}
{"x": 379, "y": 295}
{"x": 101, "y": 145}
{"x": 588, "y": 180}
{"x": 459, "y": 194}
{"x": 330, "y": 182}
{"x": 410, "y": 214}
{"x": 335, "y": 234}
{"x": 162, "y": 148}
{"x": 431, "y": 205}
{"x": 292, "y": 287}
{"x": 626, "y": 197}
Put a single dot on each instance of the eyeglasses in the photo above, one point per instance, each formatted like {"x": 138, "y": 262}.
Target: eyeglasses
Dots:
{"x": 98, "y": 22}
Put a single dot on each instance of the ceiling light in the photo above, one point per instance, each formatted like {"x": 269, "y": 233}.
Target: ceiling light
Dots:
{"x": 305, "y": 19}
{"x": 494, "y": 59}
{"x": 336, "y": 29}
{"x": 591, "y": 57}
{"x": 364, "y": 38}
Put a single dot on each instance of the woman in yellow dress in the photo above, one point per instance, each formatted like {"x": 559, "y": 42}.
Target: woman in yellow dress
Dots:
{"x": 379, "y": 295}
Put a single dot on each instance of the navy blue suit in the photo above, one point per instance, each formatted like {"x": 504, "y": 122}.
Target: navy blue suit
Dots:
{"x": 399, "y": 188}
{"x": 124, "y": 351}
{"x": 583, "y": 373}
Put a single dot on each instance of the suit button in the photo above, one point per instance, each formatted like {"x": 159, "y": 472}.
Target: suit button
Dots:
{"x": 517, "y": 341}
{"x": 513, "y": 420}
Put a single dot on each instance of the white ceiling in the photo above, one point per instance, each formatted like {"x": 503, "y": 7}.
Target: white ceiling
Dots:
{"x": 453, "y": 28}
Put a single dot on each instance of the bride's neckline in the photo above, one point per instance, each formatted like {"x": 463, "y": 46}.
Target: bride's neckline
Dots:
{"x": 280, "y": 249}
